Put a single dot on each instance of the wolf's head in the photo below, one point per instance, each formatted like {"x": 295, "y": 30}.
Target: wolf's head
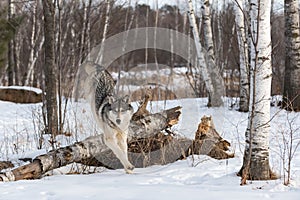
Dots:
{"x": 120, "y": 111}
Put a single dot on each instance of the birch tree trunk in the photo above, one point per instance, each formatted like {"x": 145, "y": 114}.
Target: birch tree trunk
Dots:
{"x": 206, "y": 19}
{"x": 244, "y": 60}
{"x": 291, "y": 91}
{"x": 217, "y": 79}
{"x": 209, "y": 71}
{"x": 49, "y": 68}
{"x": 105, "y": 29}
{"x": 147, "y": 36}
{"x": 83, "y": 33}
{"x": 256, "y": 155}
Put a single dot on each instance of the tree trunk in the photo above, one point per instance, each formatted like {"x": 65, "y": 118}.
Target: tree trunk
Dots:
{"x": 49, "y": 68}
{"x": 16, "y": 59}
{"x": 31, "y": 61}
{"x": 256, "y": 157}
{"x": 217, "y": 79}
{"x": 244, "y": 60}
{"x": 99, "y": 59}
{"x": 83, "y": 36}
{"x": 10, "y": 63}
{"x": 147, "y": 146}
{"x": 209, "y": 71}
{"x": 291, "y": 91}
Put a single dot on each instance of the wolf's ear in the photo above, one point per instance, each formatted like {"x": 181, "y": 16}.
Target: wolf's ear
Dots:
{"x": 126, "y": 99}
{"x": 110, "y": 99}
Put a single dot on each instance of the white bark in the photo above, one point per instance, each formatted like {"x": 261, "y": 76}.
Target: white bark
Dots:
{"x": 209, "y": 71}
{"x": 82, "y": 39}
{"x": 263, "y": 77}
{"x": 257, "y": 135}
{"x": 206, "y": 18}
{"x": 213, "y": 69}
{"x": 155, "y": 40}
{"x": 244, "y": 60}
{"x": 204, "y": 72}
{"x": 88, "y": 29}
{"x": 107, "y": 16}
{"x": 147, "y": 42}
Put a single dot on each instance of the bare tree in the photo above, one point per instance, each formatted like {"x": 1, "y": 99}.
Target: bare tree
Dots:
{"x": 34, "y": 52}
{"x": 49, "y": 68}
{"x": 10, "y": 68}
{"x": 291, "y": 91}
{"x": 289, "y": 142}
{"x": 107, "y": 17}
{"x": 256, "y": 156}
{"x": 213, "y": 69}
{"x": 243, "y": 57}
{"x": 209, "y": 70}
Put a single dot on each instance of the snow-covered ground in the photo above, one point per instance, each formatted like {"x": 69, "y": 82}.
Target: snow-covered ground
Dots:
{"x": 200, "y": 177}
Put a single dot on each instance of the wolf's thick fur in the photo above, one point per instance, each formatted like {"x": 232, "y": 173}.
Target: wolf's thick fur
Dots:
{"x": 112, "y": 114}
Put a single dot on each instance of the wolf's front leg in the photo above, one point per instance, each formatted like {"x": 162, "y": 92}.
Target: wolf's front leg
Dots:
{"x": 122, "y": 142}
{"x": 114, "y": 144}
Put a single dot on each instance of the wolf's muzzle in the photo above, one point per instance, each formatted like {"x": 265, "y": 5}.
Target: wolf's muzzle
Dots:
{"x": 118, "y": 121}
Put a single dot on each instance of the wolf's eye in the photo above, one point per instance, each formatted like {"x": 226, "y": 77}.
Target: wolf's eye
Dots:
{"x": 114, "y": 111}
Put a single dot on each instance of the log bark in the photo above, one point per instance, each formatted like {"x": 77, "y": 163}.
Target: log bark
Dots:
{"x": 147, "y": 145}
{"x": 5, "y": 165}
{"x": 20, "y": 95}
{"x": 93, "y": 151}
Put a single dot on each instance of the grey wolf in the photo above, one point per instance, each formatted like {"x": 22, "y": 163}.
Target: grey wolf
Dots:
{"x": 112, "y": 113}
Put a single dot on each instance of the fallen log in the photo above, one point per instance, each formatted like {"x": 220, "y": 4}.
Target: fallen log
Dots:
{"x": 93, "y": 151}
{"x": 20, "y": 95}
{"x": 150, "y": 139}
{"x": 5, "y": 165}
{"x": 150, "y": 142}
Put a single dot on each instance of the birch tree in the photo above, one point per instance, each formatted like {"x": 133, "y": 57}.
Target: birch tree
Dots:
{"x": 256, "y": 156}
{"x": 291, "y": 91}
{"x": 105, "y": 30}
{"x": 209, "y": 70}
{"x": 213, "y": 69}
{"x": 243, "y": 56}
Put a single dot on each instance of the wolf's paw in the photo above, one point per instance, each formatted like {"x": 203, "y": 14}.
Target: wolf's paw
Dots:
{"x": 129, "y": 169}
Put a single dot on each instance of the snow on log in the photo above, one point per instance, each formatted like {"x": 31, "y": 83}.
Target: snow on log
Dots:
{"x": 92, "y": 150}
{"x": 151, "y": 142}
